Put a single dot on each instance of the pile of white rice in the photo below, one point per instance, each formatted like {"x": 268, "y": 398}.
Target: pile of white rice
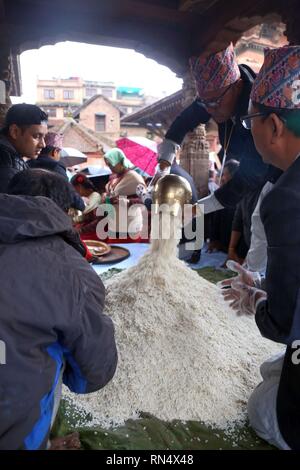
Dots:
{"x": 183, "y": 353}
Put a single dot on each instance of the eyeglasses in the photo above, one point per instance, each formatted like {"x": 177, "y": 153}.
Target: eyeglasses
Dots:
{"x": 246, "y": 120}
{"x": 216, "y": 102}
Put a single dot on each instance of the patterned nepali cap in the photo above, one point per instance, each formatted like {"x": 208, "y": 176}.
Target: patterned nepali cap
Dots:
{"x": 216, "y": 71}
{"x": 278, "y": 83}
{"x": 53, "y": 139}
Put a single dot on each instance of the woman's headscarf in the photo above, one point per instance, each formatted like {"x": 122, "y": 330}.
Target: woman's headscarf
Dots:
{"x": 115, "y": 156}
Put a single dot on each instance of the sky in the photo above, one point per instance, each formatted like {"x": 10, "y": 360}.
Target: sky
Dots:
{"x": 124, "y": 67}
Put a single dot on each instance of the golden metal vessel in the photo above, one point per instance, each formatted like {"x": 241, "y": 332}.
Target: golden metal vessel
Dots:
{"x": 173, "y": 191}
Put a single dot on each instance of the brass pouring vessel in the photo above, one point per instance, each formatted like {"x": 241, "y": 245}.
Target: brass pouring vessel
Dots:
{"x": 173, "y": 191}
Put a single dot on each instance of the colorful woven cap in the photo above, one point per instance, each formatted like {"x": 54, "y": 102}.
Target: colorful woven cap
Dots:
{"x": 54, "y": 139}
{"x": 278, "y": 83}
{"x": 216, "y": 71}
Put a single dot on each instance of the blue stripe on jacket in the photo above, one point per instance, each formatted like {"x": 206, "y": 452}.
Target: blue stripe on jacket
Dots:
{"x": 72, "y": 378}
{"x": 36, "y": 437}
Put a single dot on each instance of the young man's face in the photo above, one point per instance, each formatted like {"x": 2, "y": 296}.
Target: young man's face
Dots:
{"x": 55, "y": 155}
{"x": 28, "y": 141}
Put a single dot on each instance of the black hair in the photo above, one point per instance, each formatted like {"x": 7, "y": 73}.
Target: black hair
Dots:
{"x": 80, "y": 179}
{"x": 232, "y": 166}
{"x": 39, "y": 182}
{"x": 290, "y": 117}
{"x": 5, "y": 130}
{"x": 48, "y": 150}
{"x": 24, "y": 115}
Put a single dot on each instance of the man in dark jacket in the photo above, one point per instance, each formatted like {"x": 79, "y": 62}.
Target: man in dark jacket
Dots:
{"x": 22, "y": 136}
{"x": 223, "y": 89}
{"x": 49, "y": 159}
{"x": 274, "y": 117}
{"x": 52, "y": 321}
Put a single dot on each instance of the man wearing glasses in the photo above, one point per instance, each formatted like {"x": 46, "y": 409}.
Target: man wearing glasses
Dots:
{"x": 274, "y": 119}
{"x": 223, "y": 89}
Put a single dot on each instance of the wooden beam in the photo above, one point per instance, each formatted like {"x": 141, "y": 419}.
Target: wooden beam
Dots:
{"x": 34, "y": 23}
{"x": 196, "y": 5}
{"x": 145, "y": 11}
{"x": 148, "y": 13}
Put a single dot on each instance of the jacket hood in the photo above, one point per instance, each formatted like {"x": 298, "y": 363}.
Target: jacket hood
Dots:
{"x": 27, "y": 217}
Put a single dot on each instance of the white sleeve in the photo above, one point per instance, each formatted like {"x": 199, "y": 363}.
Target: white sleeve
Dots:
{"x": 167, "y": 150}
{"x": 210, "y": 203}
{"x": 256, "y": 259}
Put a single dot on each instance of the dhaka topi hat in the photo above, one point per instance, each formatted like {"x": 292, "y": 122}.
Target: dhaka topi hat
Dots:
{"x": 277, "y": 85}
{"x": 216, "y": 71}
{"x": 53, "y": 139}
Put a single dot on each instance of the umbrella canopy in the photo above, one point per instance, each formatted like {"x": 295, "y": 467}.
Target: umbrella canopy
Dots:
{"x": 70, "y": 156}
{"x": 98, "y": 171}
{"x": 142, "y": 152}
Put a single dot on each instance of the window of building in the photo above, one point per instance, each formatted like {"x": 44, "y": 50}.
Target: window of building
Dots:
{"x": 100, "y": 122}
{"x": 89, "y": 92}
{"x": 49, "y": 94}
{"x": 68, "y": 94}
{"x": 107, "y": 92}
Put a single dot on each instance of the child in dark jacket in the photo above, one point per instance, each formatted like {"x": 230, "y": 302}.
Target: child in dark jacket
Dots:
{"x": 51, "y": 315}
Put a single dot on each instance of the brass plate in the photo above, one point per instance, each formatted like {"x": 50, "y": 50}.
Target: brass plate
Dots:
{"x": 97, "y": 248}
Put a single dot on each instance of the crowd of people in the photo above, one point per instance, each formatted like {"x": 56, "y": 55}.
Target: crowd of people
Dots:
{"x": 52, "y": 302}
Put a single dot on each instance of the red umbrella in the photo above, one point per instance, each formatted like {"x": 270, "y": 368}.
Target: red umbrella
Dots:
{"x": 142, "y": 152}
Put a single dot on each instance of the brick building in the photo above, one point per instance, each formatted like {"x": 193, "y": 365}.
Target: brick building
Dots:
{"x": 87, "y": 141}
{"x": 99, "y": 115}
{"x": 59, "y": 97}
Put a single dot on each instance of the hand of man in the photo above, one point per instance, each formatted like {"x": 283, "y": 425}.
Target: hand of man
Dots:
{"x": 250, "y": 278}
{"x": 241, "y": 291}
{"x": 244, "y": 299}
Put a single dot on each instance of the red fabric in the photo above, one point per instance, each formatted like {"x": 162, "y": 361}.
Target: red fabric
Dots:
{"x": 88, "y": 254}
{"x": 93, "y": 236}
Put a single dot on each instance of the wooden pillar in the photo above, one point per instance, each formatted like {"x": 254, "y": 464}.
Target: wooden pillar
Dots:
{"x": 5, "y": 64}
{"x": 194, "y": 156}
{"x": 5, "y": 76}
